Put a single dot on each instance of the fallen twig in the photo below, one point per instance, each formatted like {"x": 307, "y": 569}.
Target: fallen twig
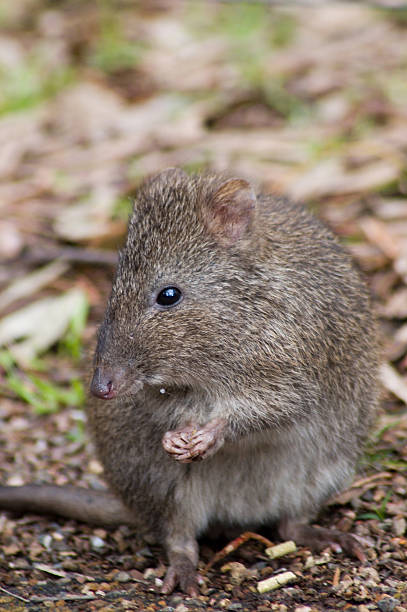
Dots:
{"x": 359, "y": 487}
{"x": 363, "y": 481}
{"x": 63, "y": 597}
{"x": 14, "y": 595}
{"x": 50, "y": 570}
{"x": 234, "y": 545}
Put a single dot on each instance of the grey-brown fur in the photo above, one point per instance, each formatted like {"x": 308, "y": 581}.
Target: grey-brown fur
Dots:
{"x": 274, "y": 342}
{"x": 274, "y": 335}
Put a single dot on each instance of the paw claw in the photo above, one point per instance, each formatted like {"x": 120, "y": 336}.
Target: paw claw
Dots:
{"x": 192, "y": 444}
{"x": 187, "y": 578}
{"x": 170, "y": 582}
{"x": 337, "y": 548}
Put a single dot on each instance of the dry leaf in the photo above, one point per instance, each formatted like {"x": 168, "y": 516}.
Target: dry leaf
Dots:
{"x": 31, "y": 283}
{"x": 380, "y": 235}
{"x": 39, "y": 325}
{"x": 396, "y": 305}
{"x": 11, "y": 241}
{"x": 329, "y": 177}
{"x": 393, "y": 382}
{"x": 391, "y": 208}
{"x": 89, "y": 219}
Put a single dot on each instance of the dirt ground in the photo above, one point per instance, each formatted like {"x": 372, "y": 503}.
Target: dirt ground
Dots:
{"x": 308, "y": 100}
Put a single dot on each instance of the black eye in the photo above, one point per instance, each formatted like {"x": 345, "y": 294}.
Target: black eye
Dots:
{"x": 169, "y": 296}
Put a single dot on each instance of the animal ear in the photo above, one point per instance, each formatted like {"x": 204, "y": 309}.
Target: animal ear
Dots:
{"x": 230, "y": 211}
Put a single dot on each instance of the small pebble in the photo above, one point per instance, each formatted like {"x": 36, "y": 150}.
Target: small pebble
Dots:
{"x": 20, "y": 564}
{"x": 238, "y": 572}
{"x": 309, "y": 562}
{"x": 97, "y": 543}
{"x": 399, "y": 525}
{"x": 387, "y": 604}
{"x": 149, "y": 573}
{"x": 136, "y": 575}
{"x": 95, "y": 467}
{"x": 144, "y": 552}
{"x": 260, "y": 565}
{"x": 46, "y": 541}
{"x": 123, "y": 577}
{"x": 70, "y": 565}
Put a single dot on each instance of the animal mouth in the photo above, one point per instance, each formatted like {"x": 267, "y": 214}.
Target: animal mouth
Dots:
{"x": 109, "y": 382}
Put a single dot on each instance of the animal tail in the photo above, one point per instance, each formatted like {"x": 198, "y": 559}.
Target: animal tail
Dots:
{"x": 85, "y": 505}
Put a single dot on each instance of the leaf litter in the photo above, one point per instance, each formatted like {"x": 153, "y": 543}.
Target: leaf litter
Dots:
{"x": 93, "y": 98}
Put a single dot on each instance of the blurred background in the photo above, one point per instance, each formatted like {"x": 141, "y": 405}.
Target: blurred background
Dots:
{"x": 306, "y": 99}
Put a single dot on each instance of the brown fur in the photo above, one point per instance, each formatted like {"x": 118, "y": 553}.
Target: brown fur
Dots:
{"x": 274, "y": 339}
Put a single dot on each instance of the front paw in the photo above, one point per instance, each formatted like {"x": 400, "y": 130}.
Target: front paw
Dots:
{"x": 178, "y": 443}
{"x": 191, "y": 443}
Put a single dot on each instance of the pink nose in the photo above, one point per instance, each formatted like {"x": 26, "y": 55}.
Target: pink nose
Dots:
{"x": 102, "y": 384}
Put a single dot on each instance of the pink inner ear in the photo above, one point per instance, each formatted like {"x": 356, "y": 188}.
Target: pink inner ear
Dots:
{"x": 231, "y": 210}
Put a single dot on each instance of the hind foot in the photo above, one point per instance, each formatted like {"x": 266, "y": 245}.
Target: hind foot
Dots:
{"x": 318, "y": 538}
{"x": 181, "y": 572}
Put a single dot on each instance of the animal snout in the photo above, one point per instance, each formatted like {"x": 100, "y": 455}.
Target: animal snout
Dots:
{"x": 104, "y": 383}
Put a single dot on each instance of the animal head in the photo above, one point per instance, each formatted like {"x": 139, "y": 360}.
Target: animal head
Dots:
{"x": 178, "y": 308}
